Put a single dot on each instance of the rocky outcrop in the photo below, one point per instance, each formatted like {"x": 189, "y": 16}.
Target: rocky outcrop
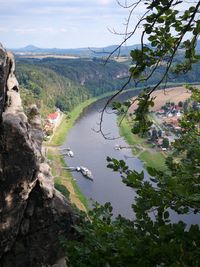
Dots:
{"x": 33, "y": 215}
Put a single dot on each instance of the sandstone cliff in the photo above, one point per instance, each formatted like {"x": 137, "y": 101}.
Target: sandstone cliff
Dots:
{"x": 33, "y": 215}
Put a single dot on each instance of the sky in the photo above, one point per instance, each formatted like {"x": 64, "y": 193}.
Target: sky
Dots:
{"x": 67, "y": 23}
{"x": 61, "y": 23}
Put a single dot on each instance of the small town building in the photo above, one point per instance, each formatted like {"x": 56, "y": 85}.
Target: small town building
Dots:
{"x": 53, "y": 117}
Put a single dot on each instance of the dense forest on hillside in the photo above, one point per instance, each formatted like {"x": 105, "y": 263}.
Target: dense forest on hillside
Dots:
{"x": 49, "y": 89}
{"x": 94, "y": 74}
{"x": 64, "y": 83}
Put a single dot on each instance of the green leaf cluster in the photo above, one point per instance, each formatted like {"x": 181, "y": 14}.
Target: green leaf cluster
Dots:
{"x": 152, "y": 238}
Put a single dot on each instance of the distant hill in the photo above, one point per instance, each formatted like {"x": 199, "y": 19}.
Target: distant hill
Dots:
{"x": 29, "y": 48}
{"x": 82, "y": 52}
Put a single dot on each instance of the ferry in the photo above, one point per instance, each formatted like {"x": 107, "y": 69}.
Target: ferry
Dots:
{"x": 70, "y": 153}
{"x": 87, "y": 173}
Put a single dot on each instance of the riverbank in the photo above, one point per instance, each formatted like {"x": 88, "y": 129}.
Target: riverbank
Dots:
{"x": 68, "y": 121}
{"x": 141, "y": 149}
{"x": 63, "y": 179}
{"x": 145, "y": 151}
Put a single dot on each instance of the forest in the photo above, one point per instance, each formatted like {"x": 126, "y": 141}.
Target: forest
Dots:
{"x": 64, "y": 83}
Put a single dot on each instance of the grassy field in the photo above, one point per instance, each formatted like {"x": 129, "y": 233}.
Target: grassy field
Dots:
{"x": 142, "y": 150}
{"x": 155, "y": 160}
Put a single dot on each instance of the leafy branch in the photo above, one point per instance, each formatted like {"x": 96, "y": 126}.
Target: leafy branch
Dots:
{"x": 166, "y": 30}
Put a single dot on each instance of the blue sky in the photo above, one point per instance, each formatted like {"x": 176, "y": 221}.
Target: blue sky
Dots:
{"x": 66, "y": 23}
{"x": 61, "y": 23}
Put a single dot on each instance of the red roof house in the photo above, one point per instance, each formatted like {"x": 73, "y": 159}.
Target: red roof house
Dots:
{"x": 53, "y": 117}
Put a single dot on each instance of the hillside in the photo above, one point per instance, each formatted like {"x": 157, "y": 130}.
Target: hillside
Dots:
{"x": 49, "y": 89}
{"x": 94, "y": 74}
{"x": 64, "y": 83}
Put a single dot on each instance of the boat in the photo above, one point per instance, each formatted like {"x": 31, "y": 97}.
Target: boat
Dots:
{"x": 70, "y": 153}
{"x": 87, "y": 173}
{"x": 117, "y": 147}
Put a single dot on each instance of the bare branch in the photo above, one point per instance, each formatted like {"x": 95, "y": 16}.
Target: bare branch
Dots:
{"x": 133, "y": 5}
{"x": 105, "y": 107}
{"x": 128, "y": 37}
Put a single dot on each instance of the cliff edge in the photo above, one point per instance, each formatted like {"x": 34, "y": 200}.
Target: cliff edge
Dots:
{"x": 33, "y": 215}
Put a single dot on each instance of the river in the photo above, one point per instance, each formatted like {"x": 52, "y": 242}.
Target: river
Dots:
{"x": 91, "y": 149}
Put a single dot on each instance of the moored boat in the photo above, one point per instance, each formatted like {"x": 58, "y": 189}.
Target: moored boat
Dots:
{"x": 86, "y": 172}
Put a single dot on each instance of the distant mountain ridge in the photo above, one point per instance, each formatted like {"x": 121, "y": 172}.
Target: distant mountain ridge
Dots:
{"x": 82, "y": 52}
{"x": 87, "y": 52}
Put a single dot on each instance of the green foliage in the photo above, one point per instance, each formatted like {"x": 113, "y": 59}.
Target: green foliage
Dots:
{"x": 91, "y": 75}
{"x": 165, "y": 143}
{"x": 153, "y": 238}
{"x": 143, "y": 123}
{"x": 62, "y": 189}
{"x": 167, "y": 30}
{"x": 49, "y": 89}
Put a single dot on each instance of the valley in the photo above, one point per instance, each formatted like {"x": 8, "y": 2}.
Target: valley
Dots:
{"x": 100, "y": 133}
{"x": 68, "y": 84}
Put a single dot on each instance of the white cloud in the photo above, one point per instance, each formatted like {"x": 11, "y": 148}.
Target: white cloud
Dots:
{"x": 105, "y": 2}
{"x": 25, "y": 30}
{"x": 60, "y": 23}
{"x": 44, "y": 30}
{"x": 69, "y": 29}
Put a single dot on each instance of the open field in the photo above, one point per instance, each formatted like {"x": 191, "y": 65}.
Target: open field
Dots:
{"x": 41, "y": 56}
{"x": 174, "y": 94}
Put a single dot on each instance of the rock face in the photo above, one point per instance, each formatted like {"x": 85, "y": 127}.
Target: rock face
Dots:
{"x": 33, "y": 215}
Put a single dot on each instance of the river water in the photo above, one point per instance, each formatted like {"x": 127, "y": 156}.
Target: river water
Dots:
{"x": 91, "y": 149}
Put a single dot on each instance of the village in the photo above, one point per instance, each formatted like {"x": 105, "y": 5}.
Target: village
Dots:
{"x": 166, "y": 127}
